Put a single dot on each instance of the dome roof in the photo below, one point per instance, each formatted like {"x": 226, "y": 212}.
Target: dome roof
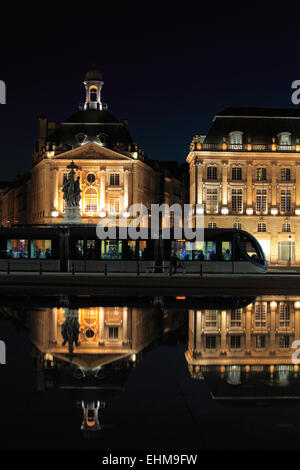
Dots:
{"x": 93, "y": 75}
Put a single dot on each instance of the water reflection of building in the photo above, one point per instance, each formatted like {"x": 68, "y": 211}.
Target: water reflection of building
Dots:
{"x": 248, "y": 347}
{"x": 110, "y": 341}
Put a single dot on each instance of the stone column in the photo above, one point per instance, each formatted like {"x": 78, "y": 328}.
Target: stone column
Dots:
{"x": 223, "y": 330}
{"x": 297, "y": 319}
{"x": 248, "y": 326}
{"x": 297, "y": 186}
{"x": 126, "y": 195}
{"x": 55, "y": 189}
{"x": 198, "y": 330}
{"x": 125, "y": 325}
{"x": 273, "y": 309}
{"x": 101, "y": 325}
{"x": 53, "y": 336}
{"x": 102, "y": 190}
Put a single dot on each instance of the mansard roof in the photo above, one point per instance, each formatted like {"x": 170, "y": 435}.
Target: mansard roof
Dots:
{"x": 258, "y": 124}
{"x": 92, "y": 124}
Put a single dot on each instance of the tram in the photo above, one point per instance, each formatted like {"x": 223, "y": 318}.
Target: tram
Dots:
{"x": 61, "y": 248}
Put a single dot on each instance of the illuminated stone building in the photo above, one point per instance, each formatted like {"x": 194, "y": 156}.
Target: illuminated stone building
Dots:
{"x": 246, "y": 173}
{"x": 114, "y": 171}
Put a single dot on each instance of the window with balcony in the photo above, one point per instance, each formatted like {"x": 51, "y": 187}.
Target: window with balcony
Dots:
{"x": 236, "y": 173}
{"x": 262, "y": 227}
{"x": 284, "y": 315}
{"x": 115, "y": 179}
{"x": 285, "y": 200}
{"x": 237, "y": 200}
{"x": 114, "y": 206}
{"x": 286, "y": 227}
{"x": 212, "y": 200}
{"x": 285, "y": 174}
{"x": 91, "y": 201}
{"x": 261, "y": 200}
{"x": 212, "y": 172}
{"x": 261, "y": 174}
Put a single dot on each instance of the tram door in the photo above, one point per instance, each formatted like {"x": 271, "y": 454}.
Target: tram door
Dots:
{"x": 64, "y": 236}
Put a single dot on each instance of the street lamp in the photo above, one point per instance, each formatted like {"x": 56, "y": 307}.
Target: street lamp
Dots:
{"x": 290, "y": 251}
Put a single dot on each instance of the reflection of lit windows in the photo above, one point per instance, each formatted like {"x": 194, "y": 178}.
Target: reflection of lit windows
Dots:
{"x": 212, "y": 172}
{"x": 237, "y": 225}
{"x": 211, "y": 318}
{"x": 212, "y": 225}
{"x": 210, "y": 342}
{"x": 115, "y": 179}
{"x": 260, "y": 341}
{"x": 260, "y": 315}
{"x": 284, "y": 315}
{"x": 212, "y": 200}
{"x": 113, "y": 332}
{"x": 284, "y": 342}
{"x": 236, "y": 318}
{"x": 235, "y": 342}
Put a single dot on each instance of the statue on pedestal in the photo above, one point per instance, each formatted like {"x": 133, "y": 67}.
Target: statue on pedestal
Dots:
{"x": 72, "y": 195}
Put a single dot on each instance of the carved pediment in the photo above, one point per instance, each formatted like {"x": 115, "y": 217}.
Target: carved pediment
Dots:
{"x": 91, "y": 151}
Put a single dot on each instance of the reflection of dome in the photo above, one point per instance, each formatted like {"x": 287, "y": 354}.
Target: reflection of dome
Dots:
{"x": 93, "y": 75}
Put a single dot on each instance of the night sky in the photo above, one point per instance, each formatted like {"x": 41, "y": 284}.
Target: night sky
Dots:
{"x": 167, "y": 72}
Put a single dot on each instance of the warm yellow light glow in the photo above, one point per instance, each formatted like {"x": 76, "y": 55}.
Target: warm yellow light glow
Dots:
{"x": 247, "y": 369}
{"x": 126, "y": 214}
{"x": 200, "y": 210}
{"x": 199, "y": 146}
{"x": 102, "y": 214}
{"x": 297, "y": 304}
{"x": 224, "y": 210}
{"x": 50, "y": 154}
{"x": 274, "y": 211}
{"x": 54, "y": 214}
{"x": 135, "y": 155}
{"x": 297, "y": 211}
{"x": 249, "y": 211}
{"x": 273, "y": 304}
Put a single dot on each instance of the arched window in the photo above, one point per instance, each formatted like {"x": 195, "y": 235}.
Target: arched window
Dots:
{"x": 91, "y": 201}
{"x": 236, "y": 140}
{"x": 284, "y": 140}
{"x": 93, "y": 93}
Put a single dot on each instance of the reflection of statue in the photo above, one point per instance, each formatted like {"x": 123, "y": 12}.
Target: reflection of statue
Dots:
{"x": 70, "y": 331}
{"x": 71, "y": 188}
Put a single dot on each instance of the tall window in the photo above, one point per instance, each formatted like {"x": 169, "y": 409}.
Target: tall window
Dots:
{"x": 261, "y": 174}
{"x": 284, "y": 315}
{"x": 210, "y": 342}
{"x": 236, "y": 173}
{"x": 114, "y": 206}
{"x": 91, "y": 201}
{"x": 260, "y": 342}
{"x": 113, "y": 332}
{"x": 93, "y": 93}
{"x": 212, "y": 172}
{"x": 237, "y": 200}
{"x": 284, "y": 342}
{"x": 261, "y": 200}
{"x": 211, "y": 318}
{"x": 235, "y": 342}
{"x": 260, "y": 315}
{"x": 285, "y": 174}
{"x": 212, "y": 200}
{"x": 285, "y": 200}
{"x": 212, "y": 225}
{"x": 115, "y": 179}
{"x": 236, "y": 318}
{"x": 237, "y": 225}
{"x": 261, "y": 227}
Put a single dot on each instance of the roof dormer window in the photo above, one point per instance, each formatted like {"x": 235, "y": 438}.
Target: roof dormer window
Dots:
{"x": 284, "y": 141}
{"x": 236, "y": 140}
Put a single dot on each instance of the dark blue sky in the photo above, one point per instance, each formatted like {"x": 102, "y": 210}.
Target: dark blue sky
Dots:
{"x": 167, "y": 73}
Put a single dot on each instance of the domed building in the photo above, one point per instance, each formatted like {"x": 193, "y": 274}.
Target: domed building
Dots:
{"x": 112, "y": 170}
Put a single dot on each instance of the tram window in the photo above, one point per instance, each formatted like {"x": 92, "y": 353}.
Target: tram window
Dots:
{"x": 90, "y": 249}
{"x": 180, "y": 248}
{"x": 145, "y": 251}
{"x": 131, "y": 249}
{"x": 226, "y": 251}
{"x": 17, "y": 249}
{"x": 210, "y": 253}
{"x": 40, "y": 249}
{"x": 79, "y": 249}
{"x": 251, "y": 250}
{"x": 111, "y": 249}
